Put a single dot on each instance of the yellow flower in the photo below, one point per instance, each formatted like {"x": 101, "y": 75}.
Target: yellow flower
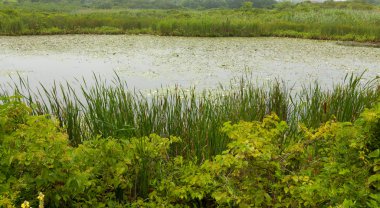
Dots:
{"x": 40, "y": 196}
{"x": 25, "y": 204}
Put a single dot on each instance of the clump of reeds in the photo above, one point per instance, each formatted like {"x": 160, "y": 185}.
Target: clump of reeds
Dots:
{"x": 302, "y": 21}
{"x": 111, "y": 110}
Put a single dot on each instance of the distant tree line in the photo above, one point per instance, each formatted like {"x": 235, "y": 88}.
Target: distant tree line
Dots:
{"x": 173, "y": 4}
{"x": 158, "y": 4}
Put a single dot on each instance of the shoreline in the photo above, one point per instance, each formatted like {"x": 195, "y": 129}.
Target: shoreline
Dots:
{"x": 353, "y": 43}
{"x": 359, "y": 44}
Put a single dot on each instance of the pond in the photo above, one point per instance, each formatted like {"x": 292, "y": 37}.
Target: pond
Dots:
{"x": 150, "y": 62}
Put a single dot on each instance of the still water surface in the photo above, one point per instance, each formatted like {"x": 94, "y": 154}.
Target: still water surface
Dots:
{"x": 150, "y": 62}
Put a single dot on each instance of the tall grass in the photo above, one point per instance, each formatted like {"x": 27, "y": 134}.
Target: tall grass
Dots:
{"x": 304, "y": 21}
{"x": 111, "y": 110}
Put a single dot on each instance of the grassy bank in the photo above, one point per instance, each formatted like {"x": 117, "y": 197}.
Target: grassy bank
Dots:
{"x": 114, "y": 111}
{"x": 315, "y": 21}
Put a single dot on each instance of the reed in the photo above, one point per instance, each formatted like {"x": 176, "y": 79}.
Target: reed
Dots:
{"x": 112, "y": 110}
{"x": 301, "y": 21}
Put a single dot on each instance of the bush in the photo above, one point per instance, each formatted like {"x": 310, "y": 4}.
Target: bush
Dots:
{"x": 34, "y": 154}
{"x": 325, "y": 167}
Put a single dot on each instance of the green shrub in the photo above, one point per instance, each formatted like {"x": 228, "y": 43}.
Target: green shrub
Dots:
{"x": 335, "y": 165}
{"x": 370, "y": 123}
{"x": 326, "y": 168}
{"x": 33, "y": 154}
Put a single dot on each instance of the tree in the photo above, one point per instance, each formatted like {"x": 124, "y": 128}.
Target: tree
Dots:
{"x": 264, "y": 3}
{"x": 247, "y": 5}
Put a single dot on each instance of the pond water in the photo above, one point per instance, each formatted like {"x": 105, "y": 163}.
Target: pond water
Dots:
{"x": 150, "y": 62}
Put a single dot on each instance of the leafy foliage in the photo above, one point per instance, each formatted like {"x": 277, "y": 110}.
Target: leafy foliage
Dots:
{"x": 335, "y": 165}
{"x": 33, "y": 153}
{"x": 326, "y": 168}
{"x": 370, "y": 121}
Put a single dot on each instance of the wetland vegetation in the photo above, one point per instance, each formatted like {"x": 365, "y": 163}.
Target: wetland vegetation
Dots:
{"x": 111, "y": 110}
{"x": 336, "y": 21}
{"x": 243, "y": 144}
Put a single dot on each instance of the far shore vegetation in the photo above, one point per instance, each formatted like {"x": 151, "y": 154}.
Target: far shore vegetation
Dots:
{"x": 345, "y": 21}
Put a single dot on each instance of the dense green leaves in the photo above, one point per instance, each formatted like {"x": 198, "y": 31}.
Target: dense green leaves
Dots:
{"x": 31, "y": 147}
{"x": 35, "y": 156}
{"x": 334, "y": 165}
